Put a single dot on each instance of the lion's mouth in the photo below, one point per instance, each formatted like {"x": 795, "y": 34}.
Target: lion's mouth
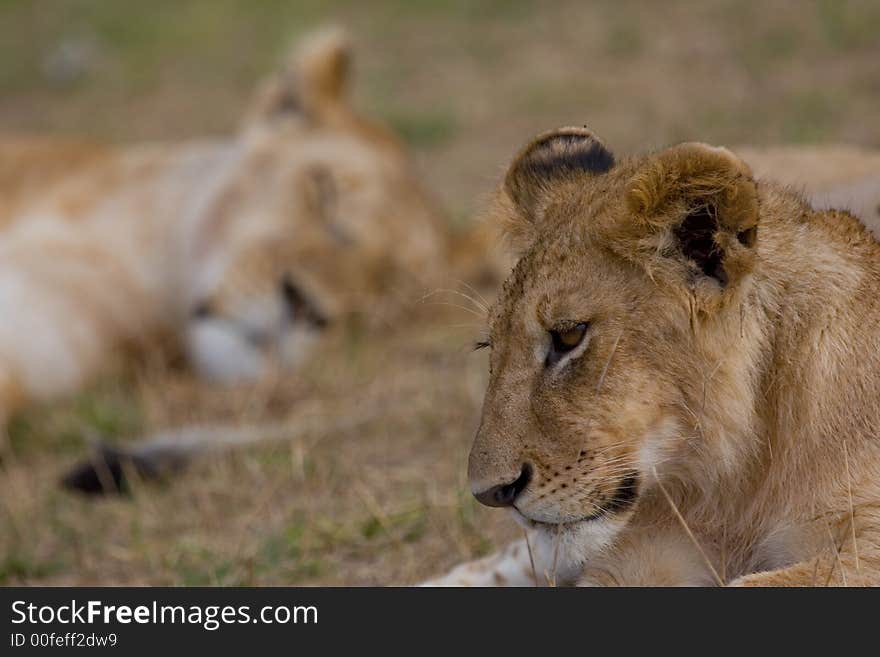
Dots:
{"x": 555, "y": 527}
{"x": 624, "y": 498}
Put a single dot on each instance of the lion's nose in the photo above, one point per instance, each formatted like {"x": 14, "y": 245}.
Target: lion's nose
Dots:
{"x": 505, "y": 494}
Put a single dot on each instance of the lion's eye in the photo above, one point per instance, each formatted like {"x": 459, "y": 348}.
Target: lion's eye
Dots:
{"x": 565, "y": 340}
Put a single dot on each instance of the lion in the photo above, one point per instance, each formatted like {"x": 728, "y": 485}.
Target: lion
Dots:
{"x": 831, "y": 176}
{"x": 683, "y": 376}
{"x": 241, "y": 250}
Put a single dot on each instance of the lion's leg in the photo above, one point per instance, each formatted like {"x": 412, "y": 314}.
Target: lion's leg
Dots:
{"x": 820, "y": 572}
{"x": 45, "y": 353}
{"x": 63, "y": 317}
{"x": 510, "y": 566}
{"x": 845, "y": 557}
{"x": 537, "y": 560}
{"x": 824, "y": 570}
{"x": 835, "y": 566}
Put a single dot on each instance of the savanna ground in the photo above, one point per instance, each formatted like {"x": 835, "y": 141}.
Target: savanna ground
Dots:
{"x": 371, "y": 487}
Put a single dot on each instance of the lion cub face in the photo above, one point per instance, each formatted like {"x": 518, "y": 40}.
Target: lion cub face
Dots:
{"x": 594, "y": 362}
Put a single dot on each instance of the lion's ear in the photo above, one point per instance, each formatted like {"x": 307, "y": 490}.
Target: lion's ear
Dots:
{"x": 567, "y": 154}
{"x": 699, "y": 204}
{"x": 313, "y": 81}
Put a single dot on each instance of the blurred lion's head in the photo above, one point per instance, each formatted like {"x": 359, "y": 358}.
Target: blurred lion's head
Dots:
{"x": 319, "y": 215}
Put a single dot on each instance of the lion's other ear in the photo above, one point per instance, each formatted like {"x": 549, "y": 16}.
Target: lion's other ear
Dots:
{"x": 699, "y": 203}
{"x": 313, "y": 81}
{"x": 566, "y": 154}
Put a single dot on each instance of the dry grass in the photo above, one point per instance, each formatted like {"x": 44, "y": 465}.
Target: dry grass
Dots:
{"x": 373, "y": 491}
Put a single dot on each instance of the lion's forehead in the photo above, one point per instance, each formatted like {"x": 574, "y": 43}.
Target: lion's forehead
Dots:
{"x": 544, "y": 271}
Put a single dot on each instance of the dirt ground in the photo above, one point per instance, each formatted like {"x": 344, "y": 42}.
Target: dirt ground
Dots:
{"x": 371, "y": 487}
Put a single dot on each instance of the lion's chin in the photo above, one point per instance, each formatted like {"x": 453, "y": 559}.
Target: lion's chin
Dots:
{"x": 571, "y": 544}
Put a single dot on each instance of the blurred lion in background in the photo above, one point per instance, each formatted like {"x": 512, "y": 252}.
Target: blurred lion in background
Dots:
{"x": 241, "y": 250}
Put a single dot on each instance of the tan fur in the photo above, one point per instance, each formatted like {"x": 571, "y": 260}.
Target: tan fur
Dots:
{"x": 734, "y": 388}
{"x": 832, "y": 176}
{"x": 829, "y": 176}
{"x": 104, "y": 246}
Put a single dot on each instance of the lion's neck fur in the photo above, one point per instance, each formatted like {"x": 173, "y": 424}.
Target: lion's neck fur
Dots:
{"x": 777, "y": 442}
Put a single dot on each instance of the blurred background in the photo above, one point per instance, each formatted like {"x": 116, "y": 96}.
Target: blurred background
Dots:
{"x": 463, "y": 82}
{"x": 381, "y": 498}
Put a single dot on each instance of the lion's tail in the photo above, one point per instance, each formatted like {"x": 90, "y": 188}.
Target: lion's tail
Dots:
{"x": 111, "y": 469}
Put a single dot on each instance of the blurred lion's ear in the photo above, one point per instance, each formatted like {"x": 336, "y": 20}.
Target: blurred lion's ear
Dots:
{"x": 549, "y": 160}
{"x": 313, "y": 81}
{"x": 323, "y": 63}
{"x": 695, "y": 206}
